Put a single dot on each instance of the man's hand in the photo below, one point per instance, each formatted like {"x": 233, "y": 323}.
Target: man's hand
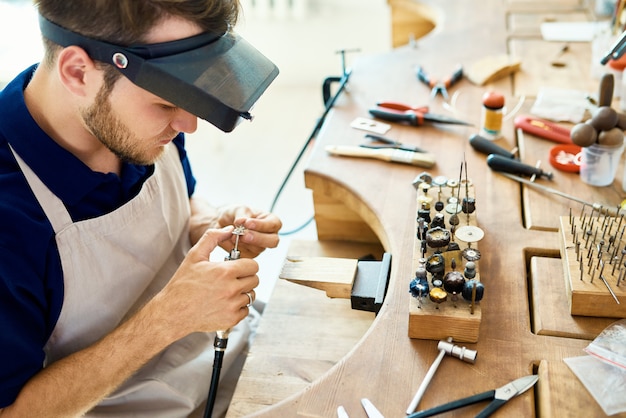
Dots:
{"x": 209, "y": 296}
{"x": 261, "y": 227}
{"x": 201, "y": 296}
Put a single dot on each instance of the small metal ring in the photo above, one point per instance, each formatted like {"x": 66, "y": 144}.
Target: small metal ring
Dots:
{"x": 250, "y": 298}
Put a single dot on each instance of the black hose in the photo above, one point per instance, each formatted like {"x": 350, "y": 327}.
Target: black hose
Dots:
{"x": 215, "y": 378}
{"x": 329, "y": 103}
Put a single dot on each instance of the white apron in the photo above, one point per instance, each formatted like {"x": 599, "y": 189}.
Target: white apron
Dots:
{"x": 112, "y": 265}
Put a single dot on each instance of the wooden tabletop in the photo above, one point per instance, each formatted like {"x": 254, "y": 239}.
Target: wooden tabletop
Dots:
{"x": 313, "y": 353}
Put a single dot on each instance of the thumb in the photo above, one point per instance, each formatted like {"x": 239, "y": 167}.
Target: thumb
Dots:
{"x": 209, "y": 241}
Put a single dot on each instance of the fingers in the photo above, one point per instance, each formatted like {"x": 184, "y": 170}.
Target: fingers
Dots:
{"x": 262, "y": 222}
{"x": 261, "y": 229}
{"x": 226, "y": 299}
{"x": 261, "y": 232}
{"x": 209, "y": 241}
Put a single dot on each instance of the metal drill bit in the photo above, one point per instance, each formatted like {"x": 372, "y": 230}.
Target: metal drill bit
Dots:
{"x": 614, "y": 264}
{"x": 610, "y": 290}
{"x": 601, "y": 266}
{"x": 235, "y": 253}
{"x": 612, "y": 242}
{"x": 606, "y": 217}
{"x": 582, "y": 272}
{"x": 593, "y": 274}
{"x": 570, "y": 217}
{"x": 610, "y": 228}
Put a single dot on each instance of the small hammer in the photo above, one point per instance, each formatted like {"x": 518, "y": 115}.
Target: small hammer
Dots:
{"x": 444, "y": 347}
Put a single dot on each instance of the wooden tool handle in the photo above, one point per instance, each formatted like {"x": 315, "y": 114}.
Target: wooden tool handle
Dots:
{"x": 421, "y": 159}
{"x": 605, "y": 95}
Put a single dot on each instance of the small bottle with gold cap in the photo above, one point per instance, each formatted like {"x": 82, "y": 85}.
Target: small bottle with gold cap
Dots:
{"x": 492, "y": 113}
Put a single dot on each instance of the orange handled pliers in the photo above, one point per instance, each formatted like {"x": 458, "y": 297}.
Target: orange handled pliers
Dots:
{"x": 439, "y": 86}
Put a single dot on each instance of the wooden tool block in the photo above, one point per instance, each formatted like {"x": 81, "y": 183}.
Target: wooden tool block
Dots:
{"x": 335, "y": 276}
{"x": 589, "y": 295}
{"x": 454, "y": 317}
{"x": 364, "y": 282}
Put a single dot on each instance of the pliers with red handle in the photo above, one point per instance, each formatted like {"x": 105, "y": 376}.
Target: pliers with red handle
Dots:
{"x": 439, "y": 86}
{"x": 415, "y": 116}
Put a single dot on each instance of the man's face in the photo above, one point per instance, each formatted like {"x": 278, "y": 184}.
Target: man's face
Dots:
{"x": 133, "y": 123}
{"x": 134, "y": 129}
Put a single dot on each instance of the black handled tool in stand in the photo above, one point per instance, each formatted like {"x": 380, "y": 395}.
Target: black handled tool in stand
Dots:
{"x": 508, "y": 165}
{"x": 221, "y": 338}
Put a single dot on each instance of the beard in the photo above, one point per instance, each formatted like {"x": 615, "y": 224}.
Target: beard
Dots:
{"x": 105, "y": 125}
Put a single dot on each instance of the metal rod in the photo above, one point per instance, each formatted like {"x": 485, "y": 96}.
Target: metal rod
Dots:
{"x": 429, "y": 376}
{"x": 600, "y": 208}
{"x": 343, "y": 80}
{"x": 610, "y": 290}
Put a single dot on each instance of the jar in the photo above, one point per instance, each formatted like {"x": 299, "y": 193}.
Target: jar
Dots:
{"x": 492, "y": 113}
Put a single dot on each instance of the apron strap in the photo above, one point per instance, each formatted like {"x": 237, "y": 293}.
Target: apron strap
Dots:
{"x": 52, "y": 206}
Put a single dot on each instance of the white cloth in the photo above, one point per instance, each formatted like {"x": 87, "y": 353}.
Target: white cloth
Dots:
{"x": 112, "y": 265}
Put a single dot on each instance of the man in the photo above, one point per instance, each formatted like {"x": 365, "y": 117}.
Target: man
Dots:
{"x": 105, "y": 308}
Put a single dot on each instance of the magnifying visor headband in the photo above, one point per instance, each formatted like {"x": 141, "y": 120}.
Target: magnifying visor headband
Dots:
{"x": 217, "y": 77}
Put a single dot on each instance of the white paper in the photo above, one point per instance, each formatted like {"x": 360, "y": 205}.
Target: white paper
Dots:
{"x": 561, "y": 105}
{"x": 571, "y": 31}
{"x": 370, "y": 125}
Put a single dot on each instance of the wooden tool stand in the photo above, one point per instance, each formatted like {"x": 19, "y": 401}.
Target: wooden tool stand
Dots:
{"x": 364, "y": 282}
{"x": 455, "y": 317}
{"x": 594, "y": 268}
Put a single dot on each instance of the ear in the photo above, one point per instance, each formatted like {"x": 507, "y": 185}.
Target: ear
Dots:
{"x": 77, "y": 71}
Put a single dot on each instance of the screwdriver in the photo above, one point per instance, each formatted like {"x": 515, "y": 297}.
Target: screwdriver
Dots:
{"x": 508, "y": 165}
{"x": 485, "y": 146}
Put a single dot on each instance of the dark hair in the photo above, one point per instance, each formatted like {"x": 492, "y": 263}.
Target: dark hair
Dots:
{"x": 126, "y": 22}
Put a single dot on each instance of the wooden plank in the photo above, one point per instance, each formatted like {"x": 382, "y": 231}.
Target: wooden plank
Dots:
{"x": 527, "y": 23}
{"x": 410, "y": 20}
{"x": 338, "y": 222}
{"x": 550, "y": 308}
{"x": 335, "y": 276}
{"x": 537, "y": 71}
{"x": 314, "y": 333}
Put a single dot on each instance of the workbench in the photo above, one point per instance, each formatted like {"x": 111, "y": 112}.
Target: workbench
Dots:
{"x": 312, "y": 353}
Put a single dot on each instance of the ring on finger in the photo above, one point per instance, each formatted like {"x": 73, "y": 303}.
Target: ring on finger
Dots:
{"x": 250, "y": 299}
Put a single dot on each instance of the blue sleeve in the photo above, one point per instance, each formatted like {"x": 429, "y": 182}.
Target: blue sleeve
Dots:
{"x": 179, "y": 141}
{"x": 30, "y": 300}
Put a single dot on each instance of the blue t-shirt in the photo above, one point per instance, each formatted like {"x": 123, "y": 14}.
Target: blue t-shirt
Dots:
{"x": 31, "y": 278}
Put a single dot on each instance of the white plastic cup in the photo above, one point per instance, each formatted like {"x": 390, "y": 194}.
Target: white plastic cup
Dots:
{"x": 598, "y": 164}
